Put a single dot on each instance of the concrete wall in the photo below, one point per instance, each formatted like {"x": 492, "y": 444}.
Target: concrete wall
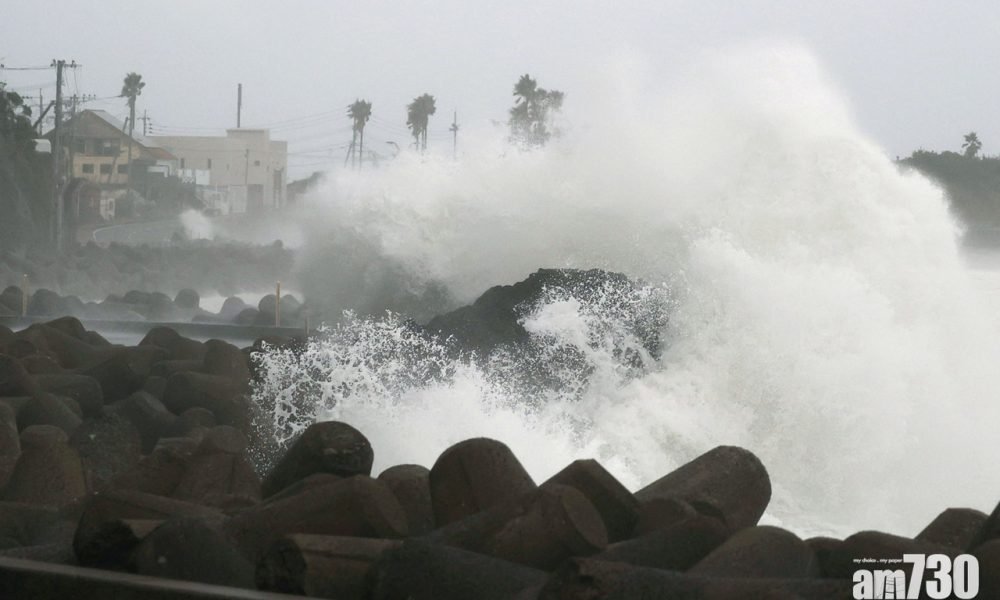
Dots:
{"x": 244, "y": 158}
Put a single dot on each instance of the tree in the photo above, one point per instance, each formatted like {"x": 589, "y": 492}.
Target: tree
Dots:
{"x": 16, "y": 133}
{"x": 25, "y": 177}
{"x": 530, "y": 118}
{"x": 131, "y": 89}
{"x": 418, "y": 115}
{"x": 972, "y": 144}
{"x": 359, "y": 112}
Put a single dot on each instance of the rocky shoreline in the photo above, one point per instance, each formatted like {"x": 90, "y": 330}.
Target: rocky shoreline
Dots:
{"x": 142, "y": 460}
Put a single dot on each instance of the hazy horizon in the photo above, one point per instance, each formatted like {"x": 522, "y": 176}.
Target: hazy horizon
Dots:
{"x": 301, "y": 63}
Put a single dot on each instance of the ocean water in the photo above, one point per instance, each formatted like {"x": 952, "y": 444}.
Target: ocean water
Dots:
{"x": 821, "y": 312}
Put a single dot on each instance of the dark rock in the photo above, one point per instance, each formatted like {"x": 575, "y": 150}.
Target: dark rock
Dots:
{"x": 14, "y": 380}
{"x": 728, "y": 480}
{"x": 617, "y": 506}
{"x": 197, "y": 390}
{"x": 107, "y": 445}
{"x": 955, "y": 527}
{"x": 661, "y": 513}
{"x": 112, "y": 544}
{"x": 48, "y": 472}
{"x": 356, "y": 507}
{"x": 193, "y": 549}
{"x": 759, "y": 552}
{"x": 114, "y": 505}
{"x": 41, "y": 364}
{"x": 187, "y": 299}
{"x": 85, "y": 390}
{"x": 46, "y": 303}
{"x": 677, "y": 547}
{"x": 161, "y": 471}
{"x": 226, "y": 360}
{"x": 474, "y": 475}
{"x": 10, "y": 444}
{"x": 247, "y": 316}
{"x": 421, "y": 571}
{"x": 177, "y": 346}
{"x": 411, "y": 486}
{"x": 322, "y": 566}
{"x": 232, "y": 307}
{"x": 46, "y": 409}
{"x": 328, "y": 447}
{"x": 494, "y": 319}
{"x": 824, "y": 548}
{"x": 122, "y": 371}
{"x": 151, "y": 419}
{"x": 540, "y": 529}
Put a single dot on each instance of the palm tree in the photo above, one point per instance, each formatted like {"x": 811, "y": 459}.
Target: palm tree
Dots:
{"x": 972, "y": 144}
{"x": 131, "y": 89}
{"x": 530, "y": 115}
{"x": 418, "y": 115}
{"x": 359, "y": 112}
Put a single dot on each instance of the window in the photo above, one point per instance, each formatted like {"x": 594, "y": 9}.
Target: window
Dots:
{"x": 108, "y": 147}
{"x": 182, "y": 163}
{"x": 88, "y": 168}
{"x": 105, "y": 169}
{"x": 256, "y": 163}
{"x": 210, "y": 163}
{"x": 122, "y": 169}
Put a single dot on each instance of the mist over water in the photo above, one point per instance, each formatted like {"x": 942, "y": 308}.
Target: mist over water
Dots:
{"x": 820, "y": 313}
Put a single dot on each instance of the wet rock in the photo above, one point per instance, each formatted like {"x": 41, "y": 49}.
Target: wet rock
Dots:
{"x": 48, "y": 472}
{"x": 760, "y": 552}
{"x": 107, "y": 445}
{"x": 474, "y": 475}
{"x": 115, "y": 505}
{"x": 328, "y": 447}
{"x": 197, "y": 390}
{"x": 411, "y": 486}
{"x": 955, "y": 527}
{"x": 726, "y": 480}
{"x": 322, "y": 566}
{"x": 617, "y": 506}
{"x": 677, "y": 547}
{"x": 85, "y": 390}
{"x": 150, "y": 418}
{"x": 421, "y": 571}
{"x": 226, "y": 360}
{"x": 356, "y": 507}
{"x": 539, "y": 529}
{"x": 10, "y": 444}
{"x": 177, "y": 346}
{"x": 193, "y": 549}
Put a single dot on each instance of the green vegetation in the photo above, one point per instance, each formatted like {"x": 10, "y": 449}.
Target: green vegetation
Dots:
{"x": 25, "y": 177}
{"x": 531, "y": 117}
{"x": 359, "y": 112}
{"x": 418, "y": 115}
{"x": 972, "y": 182}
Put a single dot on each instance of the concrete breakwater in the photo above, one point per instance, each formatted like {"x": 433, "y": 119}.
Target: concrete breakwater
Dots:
{"x": 147, "y": 460}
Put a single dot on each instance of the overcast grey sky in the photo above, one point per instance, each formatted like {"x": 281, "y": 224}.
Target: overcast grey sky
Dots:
{"x": 918, "y": 73}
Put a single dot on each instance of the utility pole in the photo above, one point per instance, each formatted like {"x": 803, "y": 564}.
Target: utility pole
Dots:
{"x": 41, "y": 111}
{"x": 239, "y": 104}
{"x": 145, "y": 120}
{"x": 454, "y": 136}
{"x": 57, "y": 171}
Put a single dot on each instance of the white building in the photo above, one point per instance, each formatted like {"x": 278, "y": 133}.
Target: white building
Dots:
{"x": 244, "y": 171}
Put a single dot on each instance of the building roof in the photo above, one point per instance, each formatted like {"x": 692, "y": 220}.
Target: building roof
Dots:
{"x": 154, "y": 148}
